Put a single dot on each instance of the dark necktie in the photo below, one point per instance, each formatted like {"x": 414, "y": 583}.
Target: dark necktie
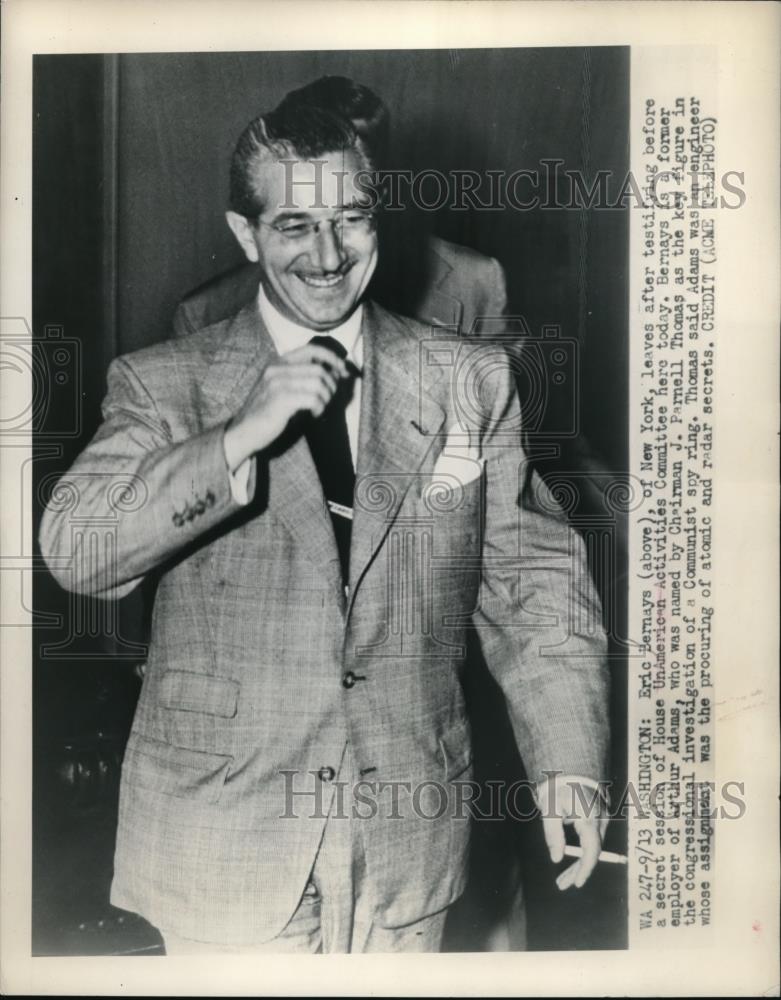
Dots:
{"x": 329, "y": 443}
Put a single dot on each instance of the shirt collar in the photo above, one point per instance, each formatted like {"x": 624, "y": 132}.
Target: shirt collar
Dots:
{"x": 287, "y": 335}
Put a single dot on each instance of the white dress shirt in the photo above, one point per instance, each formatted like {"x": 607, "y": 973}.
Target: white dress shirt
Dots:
{"x": 288, "y": 336}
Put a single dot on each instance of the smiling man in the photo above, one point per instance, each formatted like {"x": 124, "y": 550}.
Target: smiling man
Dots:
{"x": 328, "y": 500}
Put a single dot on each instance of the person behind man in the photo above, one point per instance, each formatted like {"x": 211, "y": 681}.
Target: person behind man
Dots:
{"x": 419, "y": 274}
{"x": 327, "y": 506}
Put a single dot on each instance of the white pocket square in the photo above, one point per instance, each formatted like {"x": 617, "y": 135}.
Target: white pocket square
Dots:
{"x": 459, "y": 460}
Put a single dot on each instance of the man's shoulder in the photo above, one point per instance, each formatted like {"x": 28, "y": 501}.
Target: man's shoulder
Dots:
{"x": 196, "y": 351}
{"x": 461, "y": 258}
{"x": 471, "y": 278}
{"x": 216, "y": 299}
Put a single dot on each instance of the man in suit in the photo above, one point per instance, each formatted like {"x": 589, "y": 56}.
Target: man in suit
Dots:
{"x": 439, "y": 283}
{"x": 325, "y": 519}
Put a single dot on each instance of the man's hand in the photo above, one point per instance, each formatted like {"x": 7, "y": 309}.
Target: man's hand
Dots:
{"x": 302, "y": 381}
{"x": 567, "y": 802}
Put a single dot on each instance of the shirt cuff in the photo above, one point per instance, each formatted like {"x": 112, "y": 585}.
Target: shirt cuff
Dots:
{"x": 542, "y": 789}
{"x": 238, "y": 478}
{"x": 239, "y": 482}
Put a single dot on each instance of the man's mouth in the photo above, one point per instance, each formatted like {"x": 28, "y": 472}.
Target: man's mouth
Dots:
{"x": 321, "y": 281}
{"x": 318, "y": 279}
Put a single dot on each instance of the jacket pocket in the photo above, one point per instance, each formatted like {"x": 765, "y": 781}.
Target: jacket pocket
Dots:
{"x": 176, "y": 771}
{"x": 188, "y": 691}
{"x": 455, "y": 745}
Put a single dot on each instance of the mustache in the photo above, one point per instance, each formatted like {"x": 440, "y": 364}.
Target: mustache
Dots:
{"x": 318, "y": 272}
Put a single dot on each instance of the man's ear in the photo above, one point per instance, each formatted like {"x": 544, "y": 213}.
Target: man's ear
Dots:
{"x": 244, "y": 233}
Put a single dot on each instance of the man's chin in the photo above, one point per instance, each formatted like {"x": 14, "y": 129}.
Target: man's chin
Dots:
{"x": 324, "y": 318}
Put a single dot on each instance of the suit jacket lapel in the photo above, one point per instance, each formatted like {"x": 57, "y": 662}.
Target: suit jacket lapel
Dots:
{"x": 399, "y": 425}
{"x": 294, "y": 491}
{"x": 245, "y": 349}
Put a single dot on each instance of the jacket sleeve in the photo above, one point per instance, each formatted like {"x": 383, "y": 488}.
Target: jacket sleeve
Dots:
{"x": 539, "y": 617}
{"x": 134, "y": 498}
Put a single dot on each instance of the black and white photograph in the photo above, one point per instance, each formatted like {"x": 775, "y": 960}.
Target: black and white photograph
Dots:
{"x": 373, "y": 564}
{"x": 248, "y": 646}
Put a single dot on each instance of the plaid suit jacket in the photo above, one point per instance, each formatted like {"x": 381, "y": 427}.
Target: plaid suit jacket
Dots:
{"x": 245, "y": 705}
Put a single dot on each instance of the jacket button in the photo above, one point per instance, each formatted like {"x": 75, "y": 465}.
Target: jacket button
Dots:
{"x": 350, "y": 679}
{"x": 326, "y": 774}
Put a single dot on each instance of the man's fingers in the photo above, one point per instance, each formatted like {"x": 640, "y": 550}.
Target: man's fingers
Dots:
{"x": 590, "y": 837}
{"x": 553, "y": 829}
{"x": 286, "y": 388}
{"x": 316, "y": 353}
{"x": 568, "y": 876}
{"x": 303, "y": 376}
{"x": 591, "y": 844}
{"x": 313, "y": 397}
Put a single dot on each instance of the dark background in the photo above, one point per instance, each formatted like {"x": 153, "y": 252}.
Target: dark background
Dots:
{"x": 129, "y": 190}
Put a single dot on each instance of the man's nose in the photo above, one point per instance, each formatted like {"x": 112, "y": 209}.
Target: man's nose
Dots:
{"x": 328, "y": 250}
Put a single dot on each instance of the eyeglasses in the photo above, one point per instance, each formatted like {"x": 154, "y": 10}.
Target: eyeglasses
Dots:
{"x": 350, "y": 222}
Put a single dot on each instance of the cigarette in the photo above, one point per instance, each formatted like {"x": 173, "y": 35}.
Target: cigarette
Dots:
{"x": 609, "y": 856}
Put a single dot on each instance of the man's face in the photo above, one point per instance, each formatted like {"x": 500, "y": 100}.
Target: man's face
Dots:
{"x": 316, "y": 243}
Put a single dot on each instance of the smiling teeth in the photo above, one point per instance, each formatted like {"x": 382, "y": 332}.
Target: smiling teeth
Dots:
{"x": 321, "y": 282}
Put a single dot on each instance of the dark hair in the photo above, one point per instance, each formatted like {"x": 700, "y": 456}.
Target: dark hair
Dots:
{"x": 347, "y": 99}
{"x": 292, "y": 130}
